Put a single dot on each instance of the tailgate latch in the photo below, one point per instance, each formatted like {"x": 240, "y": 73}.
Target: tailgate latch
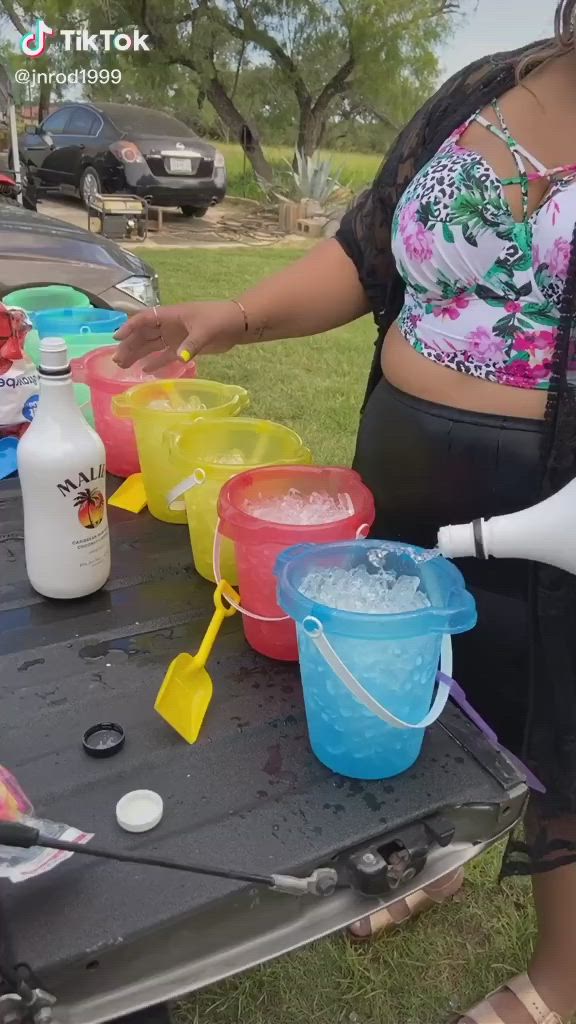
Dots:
{"x": 390, "y": 862}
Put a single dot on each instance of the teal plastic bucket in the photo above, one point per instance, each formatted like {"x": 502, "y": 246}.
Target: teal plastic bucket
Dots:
{"x": 369, "y": 680}
{"x": 78, "y": 345}
{"x": 52, "y": 296}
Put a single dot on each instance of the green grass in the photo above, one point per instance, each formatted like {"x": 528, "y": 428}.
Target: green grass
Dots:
{"x": 420, "y": 975}
{"x": 314, "y": 385}
{"x": 356, "y": 169}
{"x": 449, "y": 958}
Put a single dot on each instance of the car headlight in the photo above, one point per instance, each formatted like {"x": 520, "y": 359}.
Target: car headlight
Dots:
{"x": 219, "y": 160}
{"x": 144, "y": 289}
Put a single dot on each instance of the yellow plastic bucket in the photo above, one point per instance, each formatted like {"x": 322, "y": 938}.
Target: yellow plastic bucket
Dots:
{"x": 205, "y": 456}
{"x": 169, "y": 405}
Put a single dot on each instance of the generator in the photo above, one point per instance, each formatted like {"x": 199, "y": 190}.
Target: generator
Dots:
{"x": 121, "y": 217}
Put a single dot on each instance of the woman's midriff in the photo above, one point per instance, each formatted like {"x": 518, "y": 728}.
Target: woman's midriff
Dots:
{"x": 413, "y": 373}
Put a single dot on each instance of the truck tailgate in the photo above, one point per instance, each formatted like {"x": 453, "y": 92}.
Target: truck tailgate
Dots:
{"x": 107, "y": 937}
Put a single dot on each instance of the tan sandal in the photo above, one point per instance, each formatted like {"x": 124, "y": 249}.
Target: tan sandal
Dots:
{"x": 404, "y": 910}
{"x": 525, "y": 993}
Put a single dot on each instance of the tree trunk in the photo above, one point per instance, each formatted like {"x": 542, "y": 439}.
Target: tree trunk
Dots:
{"x": 239, "y": 128}
{"x": 314, "y": 115}
{"x": 44, "y": 100}
{"x": 311, "y": 131}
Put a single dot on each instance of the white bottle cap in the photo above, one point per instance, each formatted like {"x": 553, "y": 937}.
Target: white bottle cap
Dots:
{"x": 457, "y": 541}
{"x": 54, "y": 354}
{"x": 139, "y": 811}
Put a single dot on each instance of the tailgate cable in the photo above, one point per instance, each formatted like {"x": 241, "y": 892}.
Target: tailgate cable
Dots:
{"x": 321, "y": 882}
{"x": 21, "y": 998}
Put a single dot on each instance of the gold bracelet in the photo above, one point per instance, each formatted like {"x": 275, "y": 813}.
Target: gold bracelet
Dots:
{"x": 243, "y": 311}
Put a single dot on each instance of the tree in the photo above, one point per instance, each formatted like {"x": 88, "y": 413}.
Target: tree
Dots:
{"x": 21, "y": 16}
{"x": 298, "y": 67}
{"x": 186, "y": 34}
{"x": 327, "y": 49}
{"x": 8, "y": 59}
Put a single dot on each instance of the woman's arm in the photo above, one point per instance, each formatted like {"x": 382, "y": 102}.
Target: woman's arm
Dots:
{"x": 318, "y": 292}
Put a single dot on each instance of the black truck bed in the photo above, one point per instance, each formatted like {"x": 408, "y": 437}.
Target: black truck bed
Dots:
{"x": 249, "y": 795}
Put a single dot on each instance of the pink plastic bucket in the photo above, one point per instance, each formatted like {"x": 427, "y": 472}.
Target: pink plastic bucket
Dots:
{"x": 258, "y": 542}
{"x": 105, "y": 379}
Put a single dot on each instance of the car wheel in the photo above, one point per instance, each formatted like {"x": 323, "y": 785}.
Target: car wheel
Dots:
{"x": 194, "y": 211}
{"x": 90, "y": 184}
{"x": 27, "y": 185}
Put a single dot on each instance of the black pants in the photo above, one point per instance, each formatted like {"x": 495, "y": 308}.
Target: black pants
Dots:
{"x": 427, "y": 466}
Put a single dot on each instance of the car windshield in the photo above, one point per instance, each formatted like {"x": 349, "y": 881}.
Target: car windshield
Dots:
{"x": 150, "y": 123}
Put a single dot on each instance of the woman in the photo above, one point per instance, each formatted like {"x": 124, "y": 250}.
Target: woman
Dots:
{"x": 464, "y": 250}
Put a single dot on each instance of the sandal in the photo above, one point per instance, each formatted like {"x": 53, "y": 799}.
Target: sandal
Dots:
{"x": 525, "y": 993}
{"x": 403, "y": 910}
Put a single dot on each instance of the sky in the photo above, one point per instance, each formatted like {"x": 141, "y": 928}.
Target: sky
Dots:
{"x": 493, "y": 25}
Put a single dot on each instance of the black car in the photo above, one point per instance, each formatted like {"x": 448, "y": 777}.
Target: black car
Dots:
{"x": 113, "y": 147}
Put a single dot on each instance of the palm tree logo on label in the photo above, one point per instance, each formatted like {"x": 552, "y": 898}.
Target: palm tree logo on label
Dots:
{"x": 90, "y": 505}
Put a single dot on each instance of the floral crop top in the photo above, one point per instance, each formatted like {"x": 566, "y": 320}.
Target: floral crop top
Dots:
{"x": 482, "y": 290}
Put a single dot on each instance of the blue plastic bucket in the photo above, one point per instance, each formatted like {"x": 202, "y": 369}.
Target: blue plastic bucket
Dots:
{"x": 60, "y": 323}
{"x": 369, "y": 679}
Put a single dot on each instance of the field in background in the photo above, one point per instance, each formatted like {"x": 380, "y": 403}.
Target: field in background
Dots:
{"x": 452, "y": 957}
{"x": 357, "y": 169}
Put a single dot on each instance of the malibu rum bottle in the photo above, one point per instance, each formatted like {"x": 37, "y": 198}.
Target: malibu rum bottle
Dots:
{"x": 62, "y": 468}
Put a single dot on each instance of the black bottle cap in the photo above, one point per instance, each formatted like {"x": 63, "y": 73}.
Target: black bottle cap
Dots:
{"x": 103, "y": 740}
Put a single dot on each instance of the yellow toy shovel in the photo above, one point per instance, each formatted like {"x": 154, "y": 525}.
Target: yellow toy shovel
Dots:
{"x": 186, "y": 692}
{"x": 131, "y": 495}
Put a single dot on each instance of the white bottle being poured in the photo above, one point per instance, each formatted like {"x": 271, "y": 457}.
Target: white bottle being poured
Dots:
{"x": 541, "y": 533}
{"x": 62, "y": 468}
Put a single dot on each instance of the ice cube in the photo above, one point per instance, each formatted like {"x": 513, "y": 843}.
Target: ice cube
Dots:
{"x": 160, "y": 405}
{"x": 378, "y": 556}
{"x": 177, "y": 403}
{"x": 297, "y": 509}
{"x": 233, "y": 458}
{"x": 357, "y": 590}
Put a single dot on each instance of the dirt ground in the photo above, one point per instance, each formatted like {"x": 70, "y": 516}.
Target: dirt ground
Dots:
{"x": 231, "y": 223}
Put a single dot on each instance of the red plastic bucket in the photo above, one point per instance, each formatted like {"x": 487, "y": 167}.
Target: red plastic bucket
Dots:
{"x": 259, "y": 542}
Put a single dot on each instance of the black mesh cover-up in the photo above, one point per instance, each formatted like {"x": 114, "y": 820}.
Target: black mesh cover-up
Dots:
{"x": 365, "y": 234}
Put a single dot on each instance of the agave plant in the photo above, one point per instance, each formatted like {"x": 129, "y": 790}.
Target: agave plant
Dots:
{"x": 314, "y": 178}
{"x": 310, "y": 177}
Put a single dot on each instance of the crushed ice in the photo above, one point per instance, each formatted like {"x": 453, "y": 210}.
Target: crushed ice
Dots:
{"x": 358, "y": 590}
{"x": 177, "y": 403}
{"x": 299, "y": 509}
{"x": 378, "y": 556}
{"x": 233, "y": 458}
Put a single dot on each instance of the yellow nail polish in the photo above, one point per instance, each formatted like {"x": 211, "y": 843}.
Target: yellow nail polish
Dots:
{"x": 185, "y": 356}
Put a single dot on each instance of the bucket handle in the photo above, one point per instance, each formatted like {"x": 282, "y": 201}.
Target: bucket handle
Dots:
{"x": 85, "y": 329}
{"x": 216, "y": 553}
{"x": 458, "y": 695}
{"x": 314, "y": 629}
{"x": 361, "y": 532}
{"x": 174, "y": 497}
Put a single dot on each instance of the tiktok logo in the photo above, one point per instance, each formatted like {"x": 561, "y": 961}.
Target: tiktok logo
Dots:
{"x": 35, "y": 43}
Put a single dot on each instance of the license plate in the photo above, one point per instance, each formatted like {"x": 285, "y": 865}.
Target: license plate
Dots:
{"x": 179, "y": 165}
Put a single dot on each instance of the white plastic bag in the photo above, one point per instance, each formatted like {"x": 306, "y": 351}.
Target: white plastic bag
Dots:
{"x": 18, "y": 376}
{"x": 18, "y": 865}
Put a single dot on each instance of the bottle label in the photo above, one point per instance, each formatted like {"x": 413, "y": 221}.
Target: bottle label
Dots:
{"x": 83, "y": 480}
{"x": 86, "y": 499}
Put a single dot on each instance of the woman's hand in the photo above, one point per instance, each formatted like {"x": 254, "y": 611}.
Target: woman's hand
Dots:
{"x": 200, "y": 328}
